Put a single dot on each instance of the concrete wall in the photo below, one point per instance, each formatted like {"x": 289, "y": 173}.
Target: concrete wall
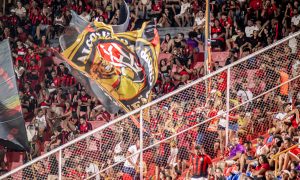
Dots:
{"x": 173, "y": 31}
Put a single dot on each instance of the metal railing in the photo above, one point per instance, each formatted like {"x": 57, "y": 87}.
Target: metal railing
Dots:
{"x": 186, "y": 116}
{"x": 275, "y": 157}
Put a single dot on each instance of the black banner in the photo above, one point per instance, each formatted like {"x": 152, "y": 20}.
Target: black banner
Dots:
{"x": 12, "y": 126}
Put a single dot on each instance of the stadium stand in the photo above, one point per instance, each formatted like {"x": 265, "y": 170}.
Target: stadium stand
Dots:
{"x": 58, "y": 109}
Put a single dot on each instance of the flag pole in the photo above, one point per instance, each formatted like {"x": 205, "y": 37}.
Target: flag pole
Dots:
{"x": 207, "y": 48}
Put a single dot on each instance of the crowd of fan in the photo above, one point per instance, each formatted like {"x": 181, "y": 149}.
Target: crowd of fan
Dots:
{"x": 58, "y": 108}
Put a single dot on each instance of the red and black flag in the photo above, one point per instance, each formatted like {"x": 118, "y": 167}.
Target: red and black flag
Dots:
{"x": 12, "y": 126}
{"x": 120, "y": 68}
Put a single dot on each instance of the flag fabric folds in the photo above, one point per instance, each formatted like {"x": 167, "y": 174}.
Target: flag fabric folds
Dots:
{"x": 12, "y": 126}
{"x": 120, "y": 69}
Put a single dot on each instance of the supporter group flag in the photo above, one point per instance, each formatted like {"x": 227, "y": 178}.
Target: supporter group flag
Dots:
{"x": 119, "y": 68}
{"x": 12, "y": 126}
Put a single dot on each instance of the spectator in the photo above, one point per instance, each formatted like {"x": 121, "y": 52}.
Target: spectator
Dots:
{"x": 183, "y": 18}
{"x": 200, "y": 164}
{"x": 262, "y": 167}
{"x": 56, "y": 139}
{"x": 165, "y": 20}
{"x": 164, "y": 44}
{"x": 40, "y": 122}
{"x": 218, "y": 35}
{"x": 296, "y": 17}
{"x": 199, "y": 23}
{"x": 131, "y": 165}
{"x": 20, "y": 10}
{"x": 93, "y": 169}
{"x": 219, "y": 174}
{"x": 236, "y": 151}
{"x": 245, "y": 94}
{"x": 84, "y": 126}
{"x": 250, "y": 28}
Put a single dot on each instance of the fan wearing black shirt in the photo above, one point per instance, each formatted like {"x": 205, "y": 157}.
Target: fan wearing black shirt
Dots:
{"x": 241, "y": 41}
{"x": 231, "y": 57}
{"x": 255, "y": 41}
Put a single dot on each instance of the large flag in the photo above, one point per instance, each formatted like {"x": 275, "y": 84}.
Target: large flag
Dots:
{"x": 120, "y": 69}
{"x": 12, "y": 126}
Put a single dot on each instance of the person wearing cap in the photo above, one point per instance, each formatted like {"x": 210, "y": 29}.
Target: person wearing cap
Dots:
{"x": 199, "y": 164}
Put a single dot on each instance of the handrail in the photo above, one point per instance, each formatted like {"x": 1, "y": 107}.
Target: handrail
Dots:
{"x": 284, "y": 151}
{"x": 275, "y": 156}
{"x": 151, "y": 104}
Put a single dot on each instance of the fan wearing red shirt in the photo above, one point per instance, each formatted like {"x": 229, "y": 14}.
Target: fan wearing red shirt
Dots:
{"x": 84, "y": 126}
{"x": 31, "y": 55}
{"x": 212, "y": 113}
{"x": 227, "y": 23}
{"x": 262, "y": 168}
{"x": 68, "y": 80}
{"x": 184, "y": 145}
{"x": 156, "y": 8}
{"x": 20, "y": 51}
{"x": 22, "y": 36}
{"x": 76, "y": 172}
{"x": 13, "y": 20}
{"x": 218, "y": 35}
{"x": 78, "y": 7}
{"x": 56, "y": 81}
{"x": 33, "y": 71}
{"x": 164, "y": 150}
{"x": 256, "y": 4}
{"x": 200, "y": 162}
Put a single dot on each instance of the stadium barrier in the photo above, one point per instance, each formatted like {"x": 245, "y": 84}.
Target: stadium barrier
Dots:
{"x": 181, "y": 119}
{"x": 276, "y": 156}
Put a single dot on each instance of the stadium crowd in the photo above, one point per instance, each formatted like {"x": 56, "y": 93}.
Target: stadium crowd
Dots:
{"x": 59, "y": 109}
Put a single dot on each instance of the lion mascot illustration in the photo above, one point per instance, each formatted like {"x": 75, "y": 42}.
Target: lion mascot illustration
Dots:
{"x": 117, "y": 80}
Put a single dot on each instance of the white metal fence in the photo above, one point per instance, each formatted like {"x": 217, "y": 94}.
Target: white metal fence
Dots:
{"x": 242, "y": 99}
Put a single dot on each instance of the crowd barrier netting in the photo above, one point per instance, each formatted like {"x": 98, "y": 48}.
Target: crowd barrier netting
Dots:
{"x": 209, "y": 111}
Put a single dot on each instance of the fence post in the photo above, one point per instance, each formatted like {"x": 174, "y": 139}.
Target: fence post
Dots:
{"x": 141, "y": 144}
{"x": 59, "y": 164}
{"x": 227, "y": 108}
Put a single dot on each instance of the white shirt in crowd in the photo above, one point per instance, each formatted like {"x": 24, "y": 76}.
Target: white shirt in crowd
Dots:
{"x": 184, "y": 7}
{"x": 31, "y": 132}
{"x": 199, "y": 21}
{"x": 245, "y": 95}
{"x": 172, "y": 160}
{"x": 280, "y": 116}
{"x": 20, "y": 12}
{"x": 293, "y": 43}
{"x": 249, "y": 30}
{"x": 19, "y": 71}
{"x": 261, "y": 150}
{"x": 295, "y": 68}
{"x": 132, "y": 149}
{"x": 295, "y": 20}
{"x": 118, "y": 149}
{"x": 41, "y": 121}
{"x": 221, "y": 114}
{"x": 93, "y": 169}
